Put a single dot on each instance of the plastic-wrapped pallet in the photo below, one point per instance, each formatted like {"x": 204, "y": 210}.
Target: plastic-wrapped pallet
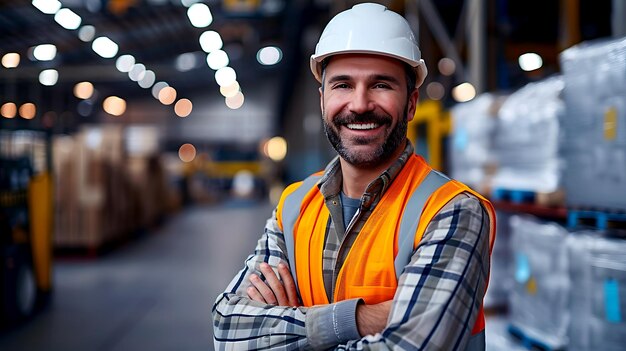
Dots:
{"x": 470, "y": 149}
{"x": 500, "y": 274}
{"x": 526, "y": 143}
{"x": 598, "y": 293}
{"x": 595, "y": 128}
{"x": 538, "y": 302}
{"x": 497, "y": 338}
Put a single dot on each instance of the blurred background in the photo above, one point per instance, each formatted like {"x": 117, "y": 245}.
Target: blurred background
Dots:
{"x": 143, "y": 144}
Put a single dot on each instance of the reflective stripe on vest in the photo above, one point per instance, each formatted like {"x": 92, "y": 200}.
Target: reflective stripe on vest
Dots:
{"x": 408, "y": 224}
{"x": 291, "y": 211}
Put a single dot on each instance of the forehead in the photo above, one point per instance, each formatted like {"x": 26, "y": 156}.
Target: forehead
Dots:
{"x": 355, "y": 65}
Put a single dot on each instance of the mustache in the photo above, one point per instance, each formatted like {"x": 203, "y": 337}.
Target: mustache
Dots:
{"x": 368, "y": 117}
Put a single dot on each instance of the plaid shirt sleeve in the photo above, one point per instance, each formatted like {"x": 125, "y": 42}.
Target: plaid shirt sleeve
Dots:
{"x": 243, "y": 324}
{"x": 442, "y": 288}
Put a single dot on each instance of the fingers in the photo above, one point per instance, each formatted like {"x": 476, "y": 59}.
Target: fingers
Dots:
{"x": 289, "y": 284}
{"x": 275, "y": 285}
{"x": 273, "y": 291}
{"x": 255, "y": 295}
{"x": 263, "y": 289}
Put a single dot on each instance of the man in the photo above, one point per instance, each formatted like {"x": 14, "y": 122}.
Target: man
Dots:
{"x": 378, "y": 251}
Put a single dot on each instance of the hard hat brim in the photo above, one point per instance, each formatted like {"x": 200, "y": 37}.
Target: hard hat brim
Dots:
{"x": 419, "y": 67}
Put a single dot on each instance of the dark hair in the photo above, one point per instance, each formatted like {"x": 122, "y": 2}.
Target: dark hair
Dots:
{"x": 408, "y": 72}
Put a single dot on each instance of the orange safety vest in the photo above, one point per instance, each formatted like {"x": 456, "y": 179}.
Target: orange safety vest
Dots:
{"x": 384, "y": 245}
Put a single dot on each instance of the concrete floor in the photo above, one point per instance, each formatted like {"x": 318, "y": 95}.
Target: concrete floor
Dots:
{"x": 155, "y": 293}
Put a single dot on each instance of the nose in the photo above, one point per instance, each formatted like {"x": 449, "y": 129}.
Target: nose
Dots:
{"x": 361, "y": 101}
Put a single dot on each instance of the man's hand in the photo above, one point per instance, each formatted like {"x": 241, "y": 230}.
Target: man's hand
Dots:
{"x": 273, "y": 291}
{"x": 372, "y": 319}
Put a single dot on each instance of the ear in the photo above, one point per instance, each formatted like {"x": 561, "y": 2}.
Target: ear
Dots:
{"x": 412, "y": 104}
{"x": 321, "y": 100}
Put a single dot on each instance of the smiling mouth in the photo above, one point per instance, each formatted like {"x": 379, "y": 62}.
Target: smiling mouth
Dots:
{"x": 362, "y": 126}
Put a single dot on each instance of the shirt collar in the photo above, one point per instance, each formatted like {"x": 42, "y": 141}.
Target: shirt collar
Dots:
{"x": 330, "y": 183}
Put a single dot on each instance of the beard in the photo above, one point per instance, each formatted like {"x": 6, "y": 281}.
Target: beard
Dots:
{"x": 370, "y": 159}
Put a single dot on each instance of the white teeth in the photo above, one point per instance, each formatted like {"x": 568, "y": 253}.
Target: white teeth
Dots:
{"x": 362, "y": 126}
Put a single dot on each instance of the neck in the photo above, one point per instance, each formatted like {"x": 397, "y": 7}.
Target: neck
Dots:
{"x": 356, "y": 179}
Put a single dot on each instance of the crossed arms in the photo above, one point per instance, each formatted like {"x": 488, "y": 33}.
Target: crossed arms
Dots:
{"x": 434, "y": 307}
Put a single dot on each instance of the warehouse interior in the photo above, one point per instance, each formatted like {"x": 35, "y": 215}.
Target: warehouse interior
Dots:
{"x": 144, "y": 143}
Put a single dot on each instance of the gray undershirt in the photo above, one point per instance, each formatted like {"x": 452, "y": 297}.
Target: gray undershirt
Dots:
{"x": 349, "y": 206}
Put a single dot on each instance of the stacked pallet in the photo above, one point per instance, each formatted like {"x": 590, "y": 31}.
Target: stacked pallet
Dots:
{"x": 569, "y": 287}
{"x": 595, "y": 128}
{"x": 102, "y": 195}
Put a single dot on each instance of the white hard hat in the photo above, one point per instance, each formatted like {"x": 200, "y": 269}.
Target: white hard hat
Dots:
{"x": 369, "y": 29}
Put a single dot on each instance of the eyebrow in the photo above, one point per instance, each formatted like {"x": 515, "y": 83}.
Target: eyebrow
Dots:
{"x": 374, "y": 77}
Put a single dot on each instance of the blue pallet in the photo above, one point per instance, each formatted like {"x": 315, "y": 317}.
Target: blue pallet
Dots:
{"x": 528, "y": 342}
{"x": 602, "y": 218}
{"x": 515, "y": 196}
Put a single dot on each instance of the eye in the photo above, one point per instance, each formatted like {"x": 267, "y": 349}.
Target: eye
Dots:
{"x": 341, "y": 86}
{"x": 382, "y": 86}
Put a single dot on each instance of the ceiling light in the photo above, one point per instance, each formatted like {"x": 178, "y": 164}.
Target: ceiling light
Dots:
{"x": 199, "y": 15}
{"x": 114, "y": 105}
{"x": 225, "y": 76}
{"x": 269, "y": 55}
{"x": 210, "y": 41}
{"x": 446, "y": 66}
{"x": 183, "y": 107}
{"x": 167, "y": 95}
{"x": 148, "y": 79}
{"x": 186, "y": 62}
{"x": 156, "y": 89}
{"x": 137, "y": 72}
{"x": 48, "y": 7}
{"x": 435, "y": 91}
{"x": 86, "y": 33}
{"x": 230, "y": 90}
{"x": 236, "y": 101}
{"x": 124, "y": 63}
{"x": 217, "y": 59}
{"x": 188, "y": 3}
{"x": 530, "y": 61}
{"x": 67, "y": 19}
{"x": 105, "y": 47}
{"x": 276, "y": 148}
{"x": 8, "y": 110}
{"x": 28, "y": 110}
{"x": 187, "y": 152}
{"x": 463, "y": 92}
{"x": 48, "y": 77}
{"x": 11, "y": 60}
{"x": 45, "y": 52}
{"x": 83, "y": 90}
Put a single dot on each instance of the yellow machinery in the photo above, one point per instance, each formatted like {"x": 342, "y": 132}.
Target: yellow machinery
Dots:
{"x": 430, "y": 125}
{"x": 26, "y": 224}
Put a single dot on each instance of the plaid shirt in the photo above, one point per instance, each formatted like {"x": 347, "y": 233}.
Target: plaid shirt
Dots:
{"x": 435, "y": 306}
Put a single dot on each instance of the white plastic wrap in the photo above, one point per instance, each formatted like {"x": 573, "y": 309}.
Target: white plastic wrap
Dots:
{"x": 598, "y": 292}
{"x": 526, "y": 143}
{"x": 538, "y": 302}
{"x": 595, "y": 128}
{"x": 471, "y": 149}
{"x": 501, "y": 272}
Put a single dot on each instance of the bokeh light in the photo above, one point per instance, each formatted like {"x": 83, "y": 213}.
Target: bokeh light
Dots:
{"x": 187, "y": 152}
{"x": 167, "y": 95}
{"x": 114, "y": 105}
{"x": 83, "y": 90}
